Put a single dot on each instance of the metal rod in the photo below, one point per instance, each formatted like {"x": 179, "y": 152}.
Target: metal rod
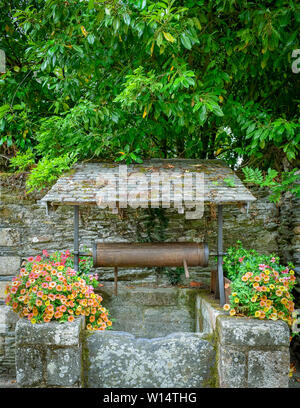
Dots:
{"x": 220, "y": 256}
{"x": 76, "y": 237}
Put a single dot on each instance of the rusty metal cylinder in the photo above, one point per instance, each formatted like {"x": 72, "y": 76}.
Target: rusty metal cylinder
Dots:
{"x": 150, "y": 254}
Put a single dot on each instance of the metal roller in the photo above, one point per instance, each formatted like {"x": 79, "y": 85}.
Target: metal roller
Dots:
{"x": 150, "y": 254}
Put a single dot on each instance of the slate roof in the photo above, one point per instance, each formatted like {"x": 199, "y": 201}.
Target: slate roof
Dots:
{"x": 210, "y": 181}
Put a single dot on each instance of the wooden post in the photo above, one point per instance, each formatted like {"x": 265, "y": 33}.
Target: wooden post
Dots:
{"x": 187, "y": 275}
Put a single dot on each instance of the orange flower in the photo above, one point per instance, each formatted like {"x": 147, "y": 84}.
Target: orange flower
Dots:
{"x": 59, "y": 288}
{"x": 71, "y": 318}
{"x": 264, "y": 297}
{"x": 262, "y": 314}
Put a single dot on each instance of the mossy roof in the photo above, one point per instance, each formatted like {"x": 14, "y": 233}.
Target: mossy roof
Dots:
{"x": 210, "y": 181}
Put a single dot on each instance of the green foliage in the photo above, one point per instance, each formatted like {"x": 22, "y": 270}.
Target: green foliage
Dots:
{"x": 287, "y": 181}
{"x": 48, "y": 170}
{"x": 23, "y": 161}
{"x": 174, "y": 275}
{"x": 133, "y": 80}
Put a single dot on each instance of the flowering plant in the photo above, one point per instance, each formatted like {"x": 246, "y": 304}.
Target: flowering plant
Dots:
{"x": 47, "y": 289}
{"x": 260, "y": 289}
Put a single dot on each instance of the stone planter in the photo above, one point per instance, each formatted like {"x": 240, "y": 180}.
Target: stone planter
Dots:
{"x": 49, "y": 354}
{"x": 250, "y": 353}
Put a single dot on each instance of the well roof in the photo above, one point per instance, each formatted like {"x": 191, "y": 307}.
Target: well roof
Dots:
{"x": 82, "y": 184}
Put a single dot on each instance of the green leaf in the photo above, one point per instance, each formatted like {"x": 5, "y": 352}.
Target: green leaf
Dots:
{"x": 185, "y": 41}
{"x": 169, "y": 37}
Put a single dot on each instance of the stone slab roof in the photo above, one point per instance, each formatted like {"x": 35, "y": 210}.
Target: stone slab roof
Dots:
{"x": 188, "y": 183}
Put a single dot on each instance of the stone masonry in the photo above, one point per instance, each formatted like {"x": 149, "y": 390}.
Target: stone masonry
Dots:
{"x": 8, "y": 321}
{"x": 251, "y": 353}
{"x": 229, "y": 352}
{"x": 49, "y": 354}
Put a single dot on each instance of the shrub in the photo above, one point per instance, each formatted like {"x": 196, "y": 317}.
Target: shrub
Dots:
{"x": 47, "y": 290}
{"x": 259, "y": 289}
{"x": 48, "y": 170}
{"x": 23, "y": 161}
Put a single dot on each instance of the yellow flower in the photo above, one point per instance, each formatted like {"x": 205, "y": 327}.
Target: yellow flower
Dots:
{"x": 232, "y": 312}
{"x": 60, "y": 267}
{"x": 272, "y": 286}
{"x": 236, "y": 300}
{"x": 226, "y": 307}
{"x": 33, "y": 321}
{"x": 234, "y": 294}
{"x": 254, "y": 299}
{"x": 257, "y": 313}
{"x": 47, "y": 303}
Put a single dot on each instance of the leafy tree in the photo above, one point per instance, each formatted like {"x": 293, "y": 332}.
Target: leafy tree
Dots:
{"x": 135, "y": 79}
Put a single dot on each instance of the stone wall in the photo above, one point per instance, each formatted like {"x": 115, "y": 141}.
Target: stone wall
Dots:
{"x": 25, "y": 230}
{"x": 8, "y": 321}
{"x": 150, "y": 311}
{"x": 49, "y": 354}
{"x": 228, "y": 352}
{"x": 118, "y": 359}
{"x": 251, "y": 353}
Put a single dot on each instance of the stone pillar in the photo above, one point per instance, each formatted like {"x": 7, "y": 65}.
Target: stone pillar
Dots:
{"x": 10, "y": 262}
{"x": 49, "y": 355}
{"x": 252, "y": 353}
{"x": 8, "y": 320}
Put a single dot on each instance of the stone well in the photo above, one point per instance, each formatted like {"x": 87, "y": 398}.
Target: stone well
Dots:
{"x": 221, "y": 351}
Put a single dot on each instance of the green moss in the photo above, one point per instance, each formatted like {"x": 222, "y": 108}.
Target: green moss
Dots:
{"x": 213, "y": 379}
{"x": 85, "y": 357}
